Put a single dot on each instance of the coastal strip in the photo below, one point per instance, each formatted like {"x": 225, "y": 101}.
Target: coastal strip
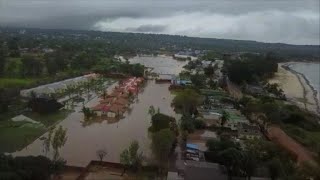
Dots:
{"x": 304, "y": 81}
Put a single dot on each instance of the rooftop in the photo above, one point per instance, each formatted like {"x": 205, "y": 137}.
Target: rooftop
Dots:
{"x": 203, "y": 170}
{"x": 192, "y": 146}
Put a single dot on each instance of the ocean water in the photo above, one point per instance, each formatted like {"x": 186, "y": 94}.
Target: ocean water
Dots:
{"x": 311, "y": 71}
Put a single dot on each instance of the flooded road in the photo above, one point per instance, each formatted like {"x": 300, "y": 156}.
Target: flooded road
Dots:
{"x": 83, "y": 142}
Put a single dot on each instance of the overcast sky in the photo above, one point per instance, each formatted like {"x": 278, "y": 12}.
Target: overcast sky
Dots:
{"x": 286, "y": 21}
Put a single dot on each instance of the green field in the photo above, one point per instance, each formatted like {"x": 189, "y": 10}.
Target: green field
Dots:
{"x": 15, "y": 82}
{"x": 16, "y": 135}
{"x": 49, "y": 119}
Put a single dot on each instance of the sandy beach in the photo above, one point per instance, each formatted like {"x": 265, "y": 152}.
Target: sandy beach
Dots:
{"x": 296, "y": 88}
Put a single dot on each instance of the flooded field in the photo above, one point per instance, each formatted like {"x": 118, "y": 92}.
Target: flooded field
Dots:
{"x": 83, "y": 142}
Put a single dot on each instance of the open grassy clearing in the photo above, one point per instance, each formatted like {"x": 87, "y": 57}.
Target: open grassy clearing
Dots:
{"x": 49, "y": 119}
{"x": 15, "y": 82}
{"x": 16, "y": 135}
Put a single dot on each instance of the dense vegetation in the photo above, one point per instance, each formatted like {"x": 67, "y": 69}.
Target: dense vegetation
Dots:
{"x": 20, "y": 69}
{"x": 27, "y": 168}
{"x": 298, "y": 123}
{"x": 251, "y": 68}
{"x": 147, "y": 43}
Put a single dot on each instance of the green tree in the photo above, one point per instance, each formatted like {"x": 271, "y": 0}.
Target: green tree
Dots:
{"x": 231, "y": 159}
{"x": 51, "y": 65}
{"x": 275, "y": 168}
{"x": 248, "y": 163}
{"x": 29, "y": 167}
{"x": 162, "y": 121}
{"x": 131, "y": 158}
{"x": 224, "y": 117}
{"x": 209, "y": 71}
{"x": 58, "y": 141}
{"x": 32, "y": 66}
{"x": 187, "y": 101}
{"x": 4, "y": 100}
{"x": 13, "y": 67}
{"x": 216, "y": 145}
{"x": 13, "y": 46}
{"x": 2, "y": 60}
{"x": 308, "y": 170}
{"x": 198, "y": 80}
{"x": 187, "y": 123}
{"x": 162, "y": 143}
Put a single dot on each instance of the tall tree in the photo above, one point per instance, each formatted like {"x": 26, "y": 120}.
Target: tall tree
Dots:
{"x": 162, "y": 143}
{"x": 231, "y": 159}
{"x": 199, "y": 80}
{"x": 51, "y": 65}
{"x": 187, "y": 101}
{"x": 2, "y": 60}
{"x": 275, "y": 168}
{"x": 131, "y": 157}
{"x": 248, "y": 163}
{"x": 32, "y": 66}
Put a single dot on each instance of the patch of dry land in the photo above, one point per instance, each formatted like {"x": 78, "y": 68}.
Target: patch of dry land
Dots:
{"x": 295, "y": 88}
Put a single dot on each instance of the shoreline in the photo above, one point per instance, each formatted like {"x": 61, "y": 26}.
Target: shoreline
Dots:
{"x": 305, "y": 84}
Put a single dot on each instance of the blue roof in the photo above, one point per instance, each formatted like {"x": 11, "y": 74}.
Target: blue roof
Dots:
{"x": 192, "y": 146}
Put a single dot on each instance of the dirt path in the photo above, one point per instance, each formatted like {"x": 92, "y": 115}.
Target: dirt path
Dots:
{"x": 278, "y": 136}
{"x": 234, "y": 90}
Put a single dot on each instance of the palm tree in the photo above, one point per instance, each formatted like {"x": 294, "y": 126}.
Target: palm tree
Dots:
{"x": 225, "y": 117}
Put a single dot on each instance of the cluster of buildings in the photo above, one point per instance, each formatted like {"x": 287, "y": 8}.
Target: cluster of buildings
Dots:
{"x": 116, "y": 103}
{"x": 189, "y": 53}
{"x": 194, "y": 165}
{"x": 236, "y": 125}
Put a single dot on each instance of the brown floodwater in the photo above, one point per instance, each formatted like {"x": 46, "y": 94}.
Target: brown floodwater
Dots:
{"x": 83, "y": 141}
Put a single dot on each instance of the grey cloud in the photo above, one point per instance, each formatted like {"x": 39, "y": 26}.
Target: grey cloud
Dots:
{"x": 148, "y": 28}
{"x": 294, "y": 21}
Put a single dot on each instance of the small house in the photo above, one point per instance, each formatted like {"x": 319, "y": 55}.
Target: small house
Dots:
{"x": 101, "y": 109}
{"x": 115, "y": 111}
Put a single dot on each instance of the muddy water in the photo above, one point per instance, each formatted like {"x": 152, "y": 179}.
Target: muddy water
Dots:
{"x": 83, "y": 142}
{"x": 161, "y": 64}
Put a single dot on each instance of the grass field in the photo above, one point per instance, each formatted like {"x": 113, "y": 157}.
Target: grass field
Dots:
{"x": 15, "y": 82}
{"x": 16, "y": 135}
{"x": 49, "y": 119}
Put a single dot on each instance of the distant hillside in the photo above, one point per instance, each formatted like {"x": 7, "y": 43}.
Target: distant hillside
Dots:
{"x": 153, "y": 42}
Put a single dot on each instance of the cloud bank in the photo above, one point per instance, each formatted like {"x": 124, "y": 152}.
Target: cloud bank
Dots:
{"x": 267, "y": 26}
{"x": 294, "y": 21}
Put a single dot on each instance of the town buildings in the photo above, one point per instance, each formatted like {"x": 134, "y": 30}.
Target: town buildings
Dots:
{"x": 118, "y": 101}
